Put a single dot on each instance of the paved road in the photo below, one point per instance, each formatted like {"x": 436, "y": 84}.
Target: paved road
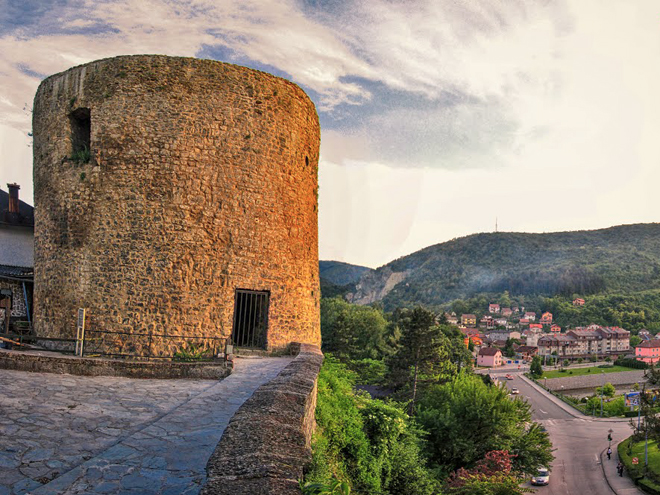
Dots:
{"x": 64, "y": 434}
{"x": 578, "y": 442}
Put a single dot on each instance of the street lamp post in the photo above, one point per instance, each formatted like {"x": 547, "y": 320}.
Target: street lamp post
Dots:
{"x": 639, "y": 410}
{"x": 601, "y": 394}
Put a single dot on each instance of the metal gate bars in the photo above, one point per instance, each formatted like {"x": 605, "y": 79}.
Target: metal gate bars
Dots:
{"x": 250, "y": 318}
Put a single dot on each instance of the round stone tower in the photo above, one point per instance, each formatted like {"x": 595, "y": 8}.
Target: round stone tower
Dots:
{"x": 176, "y": 202}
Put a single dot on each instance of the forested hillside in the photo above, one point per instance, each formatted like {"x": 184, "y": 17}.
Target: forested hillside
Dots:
{"x": 339, "y": 273}
{"x": 623, "y": 259}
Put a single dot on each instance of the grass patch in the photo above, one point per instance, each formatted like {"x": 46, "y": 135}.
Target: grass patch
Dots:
{"x": 594, "y": 370}
{"x": 651, "y": 481}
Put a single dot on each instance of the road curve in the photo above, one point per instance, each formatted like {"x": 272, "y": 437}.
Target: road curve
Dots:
{"x": 577, "y": 442}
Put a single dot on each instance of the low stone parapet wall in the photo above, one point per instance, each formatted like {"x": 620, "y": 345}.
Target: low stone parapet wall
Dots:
{"x": 268, "y": 441}
{"x": 51, "y": 362}
{"x": 595, "y": 379}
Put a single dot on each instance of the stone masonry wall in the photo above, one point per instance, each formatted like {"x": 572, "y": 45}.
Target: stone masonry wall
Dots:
{"x": 594, "y": 380}
{"x": 268, "y": 441}
{"x": 18, "y": 308}
{"x": 202, "y": 180}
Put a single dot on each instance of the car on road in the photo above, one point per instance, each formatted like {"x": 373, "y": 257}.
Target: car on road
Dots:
{"x": 542, "y": 477}
{"x": 509, "y": 377}
{"x": 515, "y": 391}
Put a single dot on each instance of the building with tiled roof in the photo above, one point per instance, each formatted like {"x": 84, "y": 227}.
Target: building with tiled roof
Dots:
{"x": 16, "y": 257}
{"x": 648, "y": 351}
{"x": 489, "y": 356}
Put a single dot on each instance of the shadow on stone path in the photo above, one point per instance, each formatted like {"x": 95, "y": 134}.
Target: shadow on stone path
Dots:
{"x": 63, "y": 434}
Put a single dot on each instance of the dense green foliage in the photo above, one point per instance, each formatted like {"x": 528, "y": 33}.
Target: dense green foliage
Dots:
{"x": 535, "y": 369}
{"x": 495, "y": 423}
{"x": 367, "y": 443}
{"x": 355, "y": 332}
{"x": 374, "y": 447}
{"x": 329, "y": 289}
{"x": 622, "y": 259}
{"x": 606, "y": 390}
{"x": 422, "y": 356}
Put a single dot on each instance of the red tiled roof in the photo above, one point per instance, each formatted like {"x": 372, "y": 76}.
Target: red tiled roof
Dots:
{"x": 650, "y": 343}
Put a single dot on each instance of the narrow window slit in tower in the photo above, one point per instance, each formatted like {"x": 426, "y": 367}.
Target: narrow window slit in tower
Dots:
{"x": 81, "y": 126}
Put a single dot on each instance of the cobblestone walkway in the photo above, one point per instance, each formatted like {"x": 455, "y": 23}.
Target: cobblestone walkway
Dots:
{"x": 64, "y": 434}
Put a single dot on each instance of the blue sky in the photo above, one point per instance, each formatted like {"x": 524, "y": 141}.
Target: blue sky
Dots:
{"x": 437, "y": 116}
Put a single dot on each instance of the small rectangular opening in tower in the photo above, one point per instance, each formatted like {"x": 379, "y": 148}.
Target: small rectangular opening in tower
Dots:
{"x": 250, "y": 318}
{"x": 81, "y": 127}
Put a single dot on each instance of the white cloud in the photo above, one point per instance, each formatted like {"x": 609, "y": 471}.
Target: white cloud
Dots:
{"x": 561, "y": 96}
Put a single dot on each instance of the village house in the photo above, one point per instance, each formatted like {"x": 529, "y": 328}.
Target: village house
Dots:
{"x": 501, "y": 322}
{"x": 590, "y": 341}
{"x": 531, "y": 336}
{"x": 601, "y": 340}
{"x": 502, "y": 335}
{"x": 648, "y": 351}
{"x": 487, "y": 322}
{"x": 644, "y": 335}
{"x": 530, "y": 315}
{"x": 469, "y": 320}
{"x": 562, "y": 345}
{"x": 537, "y": 326}
{"x": 506, "y": 312}
{"x": 546, "y": 318}
{"x": 526, "y": 352}
{"x": 555, "y": 329}
{"x": 490, "y": 357}
{"x": 578, "y": 302}
{"x": 523, "y": 321}
{"x": 16, "y": 258}
{"x": 493, "y": 308}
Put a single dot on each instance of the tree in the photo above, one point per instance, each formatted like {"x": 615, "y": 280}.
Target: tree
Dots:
{"x": 607, "y": 390}
{"x": 423, "y": 353}
{"x": 509, "y": 351}
{"x": 635, "y": 340}
{"x": 648, "y": 405}
{"x": 458, "y": 354}
{"x": 566, "y": 363}
{"x": 350, "y": 331}
{"x": 466, "y": 418}
{"x": 535, "y": 369}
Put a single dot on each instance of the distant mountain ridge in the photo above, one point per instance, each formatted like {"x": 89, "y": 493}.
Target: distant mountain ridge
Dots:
{"x": 340, "y": 273}
{"x": 624, "y": 258}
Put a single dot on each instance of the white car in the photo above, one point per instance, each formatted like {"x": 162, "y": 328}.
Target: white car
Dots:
{"x": 515, "y": 391}
{"x": 542, "y": 477}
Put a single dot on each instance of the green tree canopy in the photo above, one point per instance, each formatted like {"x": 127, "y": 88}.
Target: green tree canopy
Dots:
{"x": 466, "y": 419}
{"x": 350, "y": 331}
{"x": 535, "y": 369}
{"x": 423, "y": 355}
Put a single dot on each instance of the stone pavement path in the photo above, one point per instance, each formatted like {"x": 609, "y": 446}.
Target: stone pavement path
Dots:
{"x": 64, "y": 434}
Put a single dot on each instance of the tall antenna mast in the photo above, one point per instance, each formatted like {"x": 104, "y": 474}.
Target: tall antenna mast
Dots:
{"x": 495, "y": 224}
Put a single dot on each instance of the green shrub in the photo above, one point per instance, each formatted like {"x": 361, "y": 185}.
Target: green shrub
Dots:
{"x": 632, "y": 363}
{"x": 635, "y": 472}
{"x": 81, "y": 156}
{"x": 369, "y": 371}
{"x": 649, "y": 486}
{"x": 193, "y": 353}
{"x": 371, "y": 445}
